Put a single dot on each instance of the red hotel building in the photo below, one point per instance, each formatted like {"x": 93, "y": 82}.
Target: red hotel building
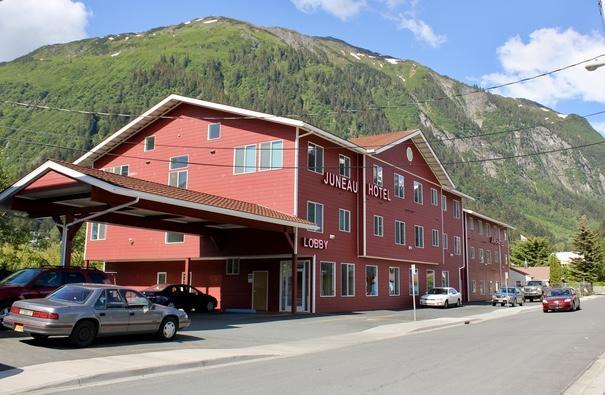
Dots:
{"x": 486, "y": 254}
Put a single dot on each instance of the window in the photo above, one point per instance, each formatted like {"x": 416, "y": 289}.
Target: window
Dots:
{"x": 435, "y": 238}
{"x": 471, "y": 223}
{"x": 419, "y": 236}
{"x": 505, "y": 259}
{"x": 413, "y": 284}
{"x": 121, "y": 170}
{"x": 487, "y": 230}
{"x": 245, "y": 159}
{"x": 394, "y": 281}
{"x": 457, "y": 241}
{"x": 344, "y": 166}
{"x": 315, "y": 158}
{"x": 347, "y": 279}
{"x": 481, "y": 287}
{"x": 399, "y": 186}
{"x": 97, "y": 231}
{"x": 344, "y": 220}
{"x": 489, "y": 256}
{"x": 315, "y": 214}
{"x": 174, "y": 237}
{"x": 49, "y": 279}
{"x": 505, "y": 235}
{"x": 399, "y": 232}
{"x": 480, "y": 227}
{"x": 161, "y": 278}
{"x": 443, "y": 202}
{"x": 445, "y": 242}
{"x": 214, "y": 131}
{"x": 481, "y": 256}
{"x": 430, "y": 279}
{"x": 371, "y": 280}
{"x": 377, "y": 175}
{"x": 474, "y": 287}
{"x": 328, "y": 279}
{"x": 232, "y": 266}
{"x": 496, "y": 257}
{"x": 178, "y": 179}
{"x": 472, "y": 249}
{"x": 434, "y": 197}
{"x": 179, "y": 162}
{"x": 271, "y": 155}
{"x": 149, "y": 143}
{"x": 445, "y": 279}
{"x": 73, "y": 277}
{"x": 378, "y": 226}
{"x": 456, "y": 208}
{"x": 189, "y": 279}
{"x": 418, "y": 193}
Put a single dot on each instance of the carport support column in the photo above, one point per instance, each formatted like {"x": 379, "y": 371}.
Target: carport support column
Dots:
{"x": 186, "y": 277}
{"x": 67, "y": 236}
{"x": 294, "y": 282}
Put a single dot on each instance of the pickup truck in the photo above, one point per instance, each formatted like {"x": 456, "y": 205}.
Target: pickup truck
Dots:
{"x": 535, "y": 289}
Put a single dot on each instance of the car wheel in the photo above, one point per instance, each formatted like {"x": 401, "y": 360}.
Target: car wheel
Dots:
{"x": 493, "y": 303}
{"x": 83, "y": 334}
{"x": 578, "y": 308}
{"x": 210, "y": 306}
{"x": 502, "y": 304}
{"x": 168, "y": 328}
{"x": 522, "y": 302}
{"x": 38, "y": 336}
{"x": 513, "y": 303}
{"x": 544, "y": 310}
{"x": 5, "y": 309}
{"x": 446, "y": 305}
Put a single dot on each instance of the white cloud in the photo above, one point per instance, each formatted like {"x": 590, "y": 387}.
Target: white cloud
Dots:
{"x": 599, "y": 127}
{"x": 342, "y": 9}
{"x": 548, "y": 49}
{"x": 28, "y": 24}
{"x": 421, "y": 30}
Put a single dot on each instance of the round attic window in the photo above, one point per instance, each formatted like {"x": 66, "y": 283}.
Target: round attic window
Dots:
{"x": 409, "y": 154}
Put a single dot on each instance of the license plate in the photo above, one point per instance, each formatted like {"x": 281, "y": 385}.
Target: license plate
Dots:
{"x": 18, "y": 328}
{"x": 26, "y": 312}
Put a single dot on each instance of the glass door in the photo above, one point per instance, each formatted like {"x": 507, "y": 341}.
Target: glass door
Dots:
{"x": 302, "y": 286}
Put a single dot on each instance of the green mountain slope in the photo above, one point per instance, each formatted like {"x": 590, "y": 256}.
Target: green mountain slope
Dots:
{"x": 318, "y": 80}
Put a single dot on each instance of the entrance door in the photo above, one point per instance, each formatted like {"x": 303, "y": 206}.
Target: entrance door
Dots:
{"x": 260, "y": 290}
{"x": 302, "y": 286}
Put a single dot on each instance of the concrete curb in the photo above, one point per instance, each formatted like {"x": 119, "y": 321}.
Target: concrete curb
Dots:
{"x": 592, "y": 381}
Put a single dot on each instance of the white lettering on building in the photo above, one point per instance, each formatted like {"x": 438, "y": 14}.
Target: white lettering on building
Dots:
{"x": 340, "y": 182}
{"x": 318, "y": 244}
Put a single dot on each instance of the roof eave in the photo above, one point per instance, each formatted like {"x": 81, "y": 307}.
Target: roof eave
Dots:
{"x": 485, "y": 217}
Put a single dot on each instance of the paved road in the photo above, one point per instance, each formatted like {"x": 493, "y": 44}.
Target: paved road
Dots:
{"x": 220, "y": 330}
{"x": 530, "y": 352}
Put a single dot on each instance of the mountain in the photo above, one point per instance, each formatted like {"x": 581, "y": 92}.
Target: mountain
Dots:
{"x": 347, "y": 90}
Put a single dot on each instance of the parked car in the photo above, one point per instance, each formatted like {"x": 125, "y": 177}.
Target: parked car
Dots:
{"x": 441, "y": 296}
{"x": 508, "y": 295}
{"x": 84, "y": 311}
{"x": 181, "y": 296}
{"x": 561, "y": 299}
{"x": 535, "y": 289}
{"x": 39, "y": 282}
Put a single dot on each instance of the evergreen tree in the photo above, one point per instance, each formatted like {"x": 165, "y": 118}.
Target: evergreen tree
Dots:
{"x": 589, "y": 267}
{"x": 555, "y": 269}
{"x": 534, "y": 251}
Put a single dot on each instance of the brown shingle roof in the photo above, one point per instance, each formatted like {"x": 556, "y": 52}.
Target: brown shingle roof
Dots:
{"x": 167, "y": 191}
{"x": 376, "y": 141}
{"x": 535, "y": 272}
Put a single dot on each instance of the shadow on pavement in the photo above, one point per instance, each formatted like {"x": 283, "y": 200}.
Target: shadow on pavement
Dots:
{"x": 62, "y": 343}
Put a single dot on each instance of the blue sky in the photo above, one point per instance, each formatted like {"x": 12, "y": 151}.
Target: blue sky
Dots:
{"x": 474, "y": 41}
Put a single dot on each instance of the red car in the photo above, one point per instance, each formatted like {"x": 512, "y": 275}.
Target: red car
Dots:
{"x": 561, "y": 299}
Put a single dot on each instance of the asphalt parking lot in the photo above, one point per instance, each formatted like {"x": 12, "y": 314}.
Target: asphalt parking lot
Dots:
{"x": 220, "y": 330}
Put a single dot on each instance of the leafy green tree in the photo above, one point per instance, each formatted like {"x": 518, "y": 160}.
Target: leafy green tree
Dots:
{"x": 534, "y": 250}
{"x": 588, "y": 245}
{"x": 555, "y": 269}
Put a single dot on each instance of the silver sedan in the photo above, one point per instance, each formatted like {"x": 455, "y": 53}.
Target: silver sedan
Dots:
{"x": 84, "y": 311}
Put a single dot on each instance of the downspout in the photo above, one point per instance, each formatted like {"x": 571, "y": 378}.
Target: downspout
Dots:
{"x": 364, "y": 203}
{"x": 465, "y": 264}
{"x": 441, "y": 237}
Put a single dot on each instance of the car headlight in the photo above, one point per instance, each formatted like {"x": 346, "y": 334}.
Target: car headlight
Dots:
{"x": 567, "y": 300}
{"x": 545, "y": 302}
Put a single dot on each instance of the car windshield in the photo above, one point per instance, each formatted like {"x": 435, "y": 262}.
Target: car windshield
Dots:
{"x": 156, "y": 288}
{"x": 438, "y": 291}
{"x": 22, "y": 277}
{"x": 71, "y": 294}
{"x": 559, "y": 292}
{"x": 509, "y": 290}
{"x": 534, "y": 283}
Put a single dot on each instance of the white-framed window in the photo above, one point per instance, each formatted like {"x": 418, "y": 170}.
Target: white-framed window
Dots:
{"x": 489, "y": 256}
{"x": 481, "y": 287}
{"x": 315, "y": 214}
{"x": 413, "y": 286}
{"x": 419, "y": 236}
{"x": 445, "y": 242}
{"x": 315, "y": 158}
{"x": 371, "y": 280}
{"x": 505, "y": 235}
{"x": 161, "y": 278}
{"x": 471, "y": 223}
{"x": 488, "y": 232}
{"x": 456, "y": 208}
{"x": 394, "y": 281}
{"x": 506, "y": 259}
{"x": 435, "y": 238}
{"x": 121, "y": 170}
{"x": 399, "y": 232}
{"x": 378, "y": 226}
{"x": 474, "y": 287}
{"x": 418, "y": 198}
{"x": 214, "y": 131}
{"x": 232, "y": 266}
{"x": 443, "y": 202}
{"x": 344, "y": 166}
{"x": 174, "y": 238}
{"x": 480, "y": 223}
{"x": 149, "y": 143}
{"x": 179, "y": 162}
{"x": 430, "y": 279}
{"x": 377, "y": 175}
{"x": 327, "y": 279}
{"x": 472, "y": 252}
{"x": 271, "y": 155}
{"x": 98, "y": 231}
{"x": 399, "y": 185}
{"x": 496, "y": 257}
{"x": 347, "y": 279}
{"x": 244, "y": 159}
{"x": 457, "y": 242}
{"x": 445, "y": 279}
{"x": 344, "y": 220}
{"x": 178, "y": 179}
{"x": 189, "y": 279}
{"x": 481, "y": 256}
{"x": 434, "y": 197}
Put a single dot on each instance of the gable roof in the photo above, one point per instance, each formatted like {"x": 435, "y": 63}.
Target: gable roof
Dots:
{"x": 377, "y": 141}
{"x": 535, "y": 272}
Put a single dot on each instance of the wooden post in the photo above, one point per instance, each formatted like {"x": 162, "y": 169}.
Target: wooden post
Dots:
{"x": 186, "y": 277}
{"x": 294, "y": 282}
{"x": 85, "y": 264}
